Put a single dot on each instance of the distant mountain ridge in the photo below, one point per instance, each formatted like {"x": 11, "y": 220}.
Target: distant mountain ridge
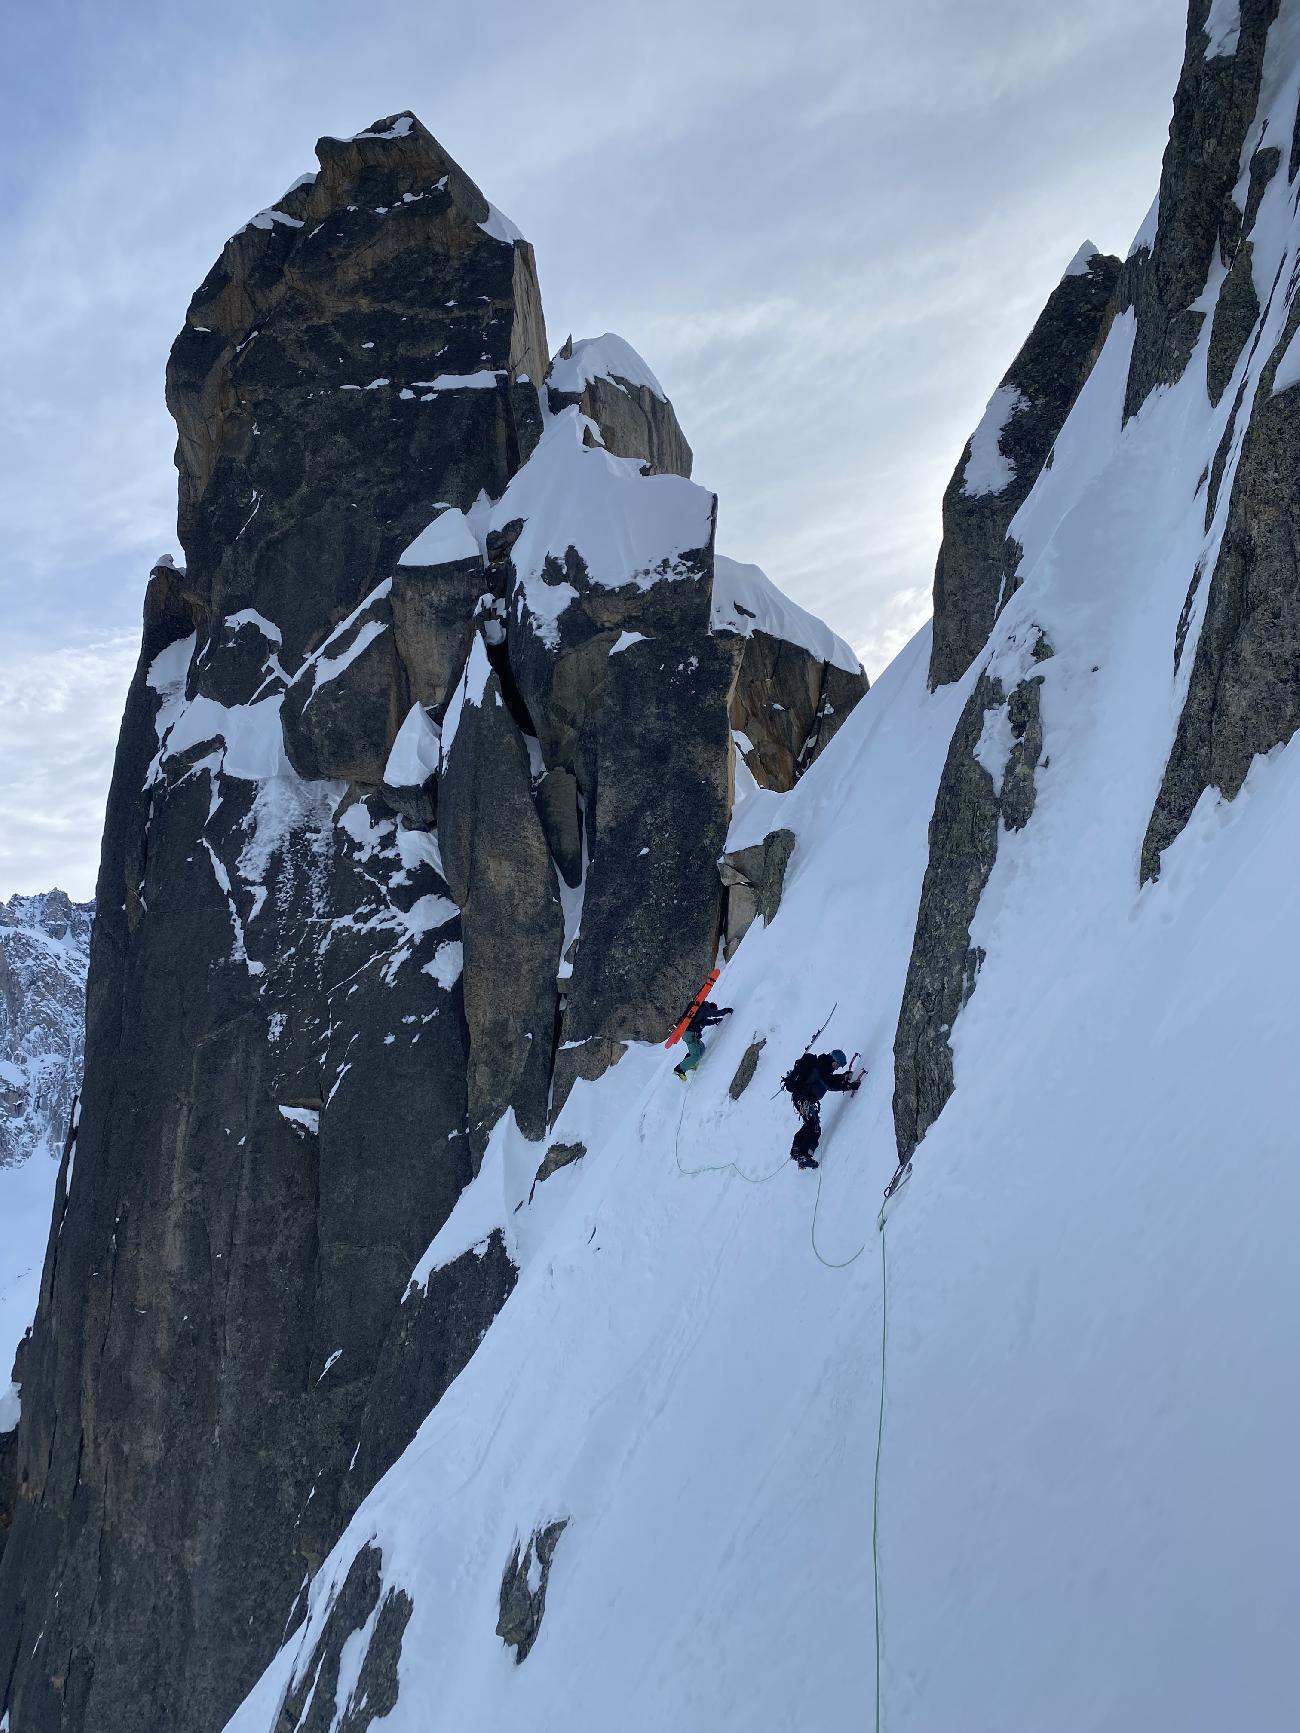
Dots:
{"x": 44, "y": 952}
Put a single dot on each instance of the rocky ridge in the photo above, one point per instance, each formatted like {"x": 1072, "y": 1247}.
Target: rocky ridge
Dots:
{"x": 975, "y": 575}
{"x": 44, "y": 946}
{"x": 416, "y": 820}
{"x": 1234, "y": 115}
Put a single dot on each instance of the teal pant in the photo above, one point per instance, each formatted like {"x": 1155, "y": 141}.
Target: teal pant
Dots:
{"x": 694, "y": 1052}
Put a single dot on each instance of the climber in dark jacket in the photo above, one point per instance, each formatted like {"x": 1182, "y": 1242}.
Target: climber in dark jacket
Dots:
{"x": 807, "y": 1081}
{"x": 705, "y": 1017}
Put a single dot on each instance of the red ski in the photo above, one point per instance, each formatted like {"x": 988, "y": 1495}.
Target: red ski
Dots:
{"x": 692, "y": 1008}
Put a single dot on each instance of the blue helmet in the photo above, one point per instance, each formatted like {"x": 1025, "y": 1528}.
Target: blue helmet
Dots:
{"x": 839, "y": 1056}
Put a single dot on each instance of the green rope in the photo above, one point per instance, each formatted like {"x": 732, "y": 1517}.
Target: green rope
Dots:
{"x": 720, "y": 1166}
{"x": 843, "y": 1264}
{"x": 875, "y": 1489}
{"x": 830, "y": 1263}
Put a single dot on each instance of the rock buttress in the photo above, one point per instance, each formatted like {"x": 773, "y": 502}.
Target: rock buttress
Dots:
{"x": 420, "y": 793}
{"x": 976, "y": 570}
{"x": 1214, "y": 105}
{"x": 274, "y": 1124}
{"x": 971, "y": 809}
{"x": 1243, "y": 695}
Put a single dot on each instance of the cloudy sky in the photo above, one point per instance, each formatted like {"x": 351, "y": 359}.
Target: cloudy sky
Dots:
{"x": 826, "y": 224}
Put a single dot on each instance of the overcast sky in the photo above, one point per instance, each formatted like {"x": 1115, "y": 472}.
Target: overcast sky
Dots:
{"x": 827, "y": 225}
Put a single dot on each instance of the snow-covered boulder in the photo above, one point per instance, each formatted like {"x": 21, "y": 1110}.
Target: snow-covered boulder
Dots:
{"x": 609, "y": 382}
{"x": 796, "y": 680}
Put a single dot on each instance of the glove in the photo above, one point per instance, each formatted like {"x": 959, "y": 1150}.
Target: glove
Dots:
{"x": 855, "y": 1085}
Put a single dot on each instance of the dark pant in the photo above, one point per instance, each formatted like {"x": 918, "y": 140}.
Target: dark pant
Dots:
{"x": 809, "y": 1134}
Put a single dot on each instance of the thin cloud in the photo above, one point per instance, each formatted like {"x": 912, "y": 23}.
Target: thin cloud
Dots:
{"x": 59, "y": 714}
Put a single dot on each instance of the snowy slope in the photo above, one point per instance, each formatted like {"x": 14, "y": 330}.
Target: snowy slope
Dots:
{"x": 1073, "y": 1432}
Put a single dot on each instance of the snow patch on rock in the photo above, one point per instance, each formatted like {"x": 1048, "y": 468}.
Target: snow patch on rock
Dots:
{"x": 988, "y": 469}
{"x": 449, "y": 537}
{"x": 415, "y": 751}
{"x": 1222, "y": 28}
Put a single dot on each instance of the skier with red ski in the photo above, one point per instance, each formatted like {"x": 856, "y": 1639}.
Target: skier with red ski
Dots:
{"x": 806, "y": 1082}
{"x": 704, "y": 1017}
{"x": 700, "y": 1014}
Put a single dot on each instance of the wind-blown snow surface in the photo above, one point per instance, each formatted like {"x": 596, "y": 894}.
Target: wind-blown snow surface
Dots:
{"x": 608, "y": 357}
{"x": 1088, "y": 1501}
{"x": 746, "y": 600}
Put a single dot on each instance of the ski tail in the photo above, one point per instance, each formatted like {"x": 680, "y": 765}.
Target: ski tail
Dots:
{"x": 680, "y": 1029}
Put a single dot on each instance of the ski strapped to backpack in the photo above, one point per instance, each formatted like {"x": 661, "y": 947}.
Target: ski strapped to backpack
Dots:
{"x": 785, "y": 1081}
{"x": 692, "y": 1008}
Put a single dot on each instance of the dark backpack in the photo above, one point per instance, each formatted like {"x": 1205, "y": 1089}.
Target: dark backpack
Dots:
{"x": 805, "y": 1071}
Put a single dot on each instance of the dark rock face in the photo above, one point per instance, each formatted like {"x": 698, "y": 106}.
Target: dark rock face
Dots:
{"x": 1242, "y": 693}
{"x": 499, "y": 869}
{"x": 311, "y": 1705}
{"x": 561, "y": 816}
{"x": 1243, "y": 697}
{"x": 976, "y": 570}
{"x": 1235, "y": 314}
{"x": 415, "y": 821}
{"x": 789, "y": 704}
{"x": 1213, "y": 107}
{"x": 628, "y": 689}
{"x": 275, "y": 1123}
{"x": 436, "y": 1330}
{"x": 970, "y": 809}
{"x": 44, "y": 948}
{"x": 343, "y": 707}
{"x": 315, "y": 373}
{"x": 755, "y": 881}
{"x": 523, "y": 1589}
{"x": 433, "y": 612}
